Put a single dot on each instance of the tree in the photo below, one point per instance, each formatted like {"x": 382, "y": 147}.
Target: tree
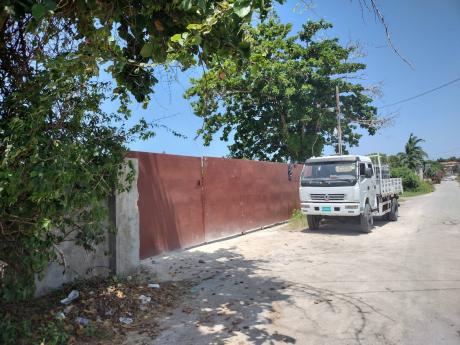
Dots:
{"x": 60, "y": 154}
{"x": 413, "y": 156}
{"x": 453, "y": 158}
{"x": 133, "y": 35}
{"x": 279, "y": 103}
{"x": 410, "y": 180}
{"x": 433, "y": 169}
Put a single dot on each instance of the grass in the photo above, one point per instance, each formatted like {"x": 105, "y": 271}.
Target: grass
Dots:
{"x": 424, "y": 188}
{"x": 458, "y": 178}
{"x": 298, "y": 220}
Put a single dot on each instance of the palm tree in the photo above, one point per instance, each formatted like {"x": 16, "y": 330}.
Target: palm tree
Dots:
{"x": 414, "y": 155}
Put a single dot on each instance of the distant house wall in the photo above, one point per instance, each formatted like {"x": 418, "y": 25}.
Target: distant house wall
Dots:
{"x": 449, "y": 166}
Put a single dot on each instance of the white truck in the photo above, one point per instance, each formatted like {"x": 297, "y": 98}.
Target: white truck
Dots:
{"x": 348, "y": 187}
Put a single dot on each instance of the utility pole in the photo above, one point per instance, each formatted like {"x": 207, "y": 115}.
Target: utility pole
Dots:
{"x": 339, "y": 127}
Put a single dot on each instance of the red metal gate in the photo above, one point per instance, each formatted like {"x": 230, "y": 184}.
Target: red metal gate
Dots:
{"x": 170, "y": 203}
{"x": 185, "y": 201}
{"x": 241, "y": 195}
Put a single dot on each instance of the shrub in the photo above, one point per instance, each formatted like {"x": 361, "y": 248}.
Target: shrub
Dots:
{"x": 298, "y": 219}
{"x": 410, "y": 179}
{"x": 425, "y": 187}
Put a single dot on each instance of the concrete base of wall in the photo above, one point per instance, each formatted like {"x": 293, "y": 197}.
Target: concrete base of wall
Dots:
{"x": 116, "y": 254}
{"x": 81, "y": 264}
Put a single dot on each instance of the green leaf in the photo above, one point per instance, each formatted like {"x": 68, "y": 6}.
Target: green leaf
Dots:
{"x": 202, "y": 4}
{"x": 46, "y": 223}
{"x": 147, "y": 50}
{"x": 243, "y": 11}
{"x": 193, "y": 26}
{"x": 195, "y": 39}
{"x": 38, "y": 11}
{"x": 159, "y": 54}
{"x": 176, "y": 38}
{"x": 186, "y": 5}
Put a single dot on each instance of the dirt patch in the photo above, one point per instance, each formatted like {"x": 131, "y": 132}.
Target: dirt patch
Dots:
{"x": 104, "y": 312}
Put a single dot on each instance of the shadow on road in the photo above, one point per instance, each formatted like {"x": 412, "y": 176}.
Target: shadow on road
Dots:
{"x": 349, "y": 228}
{"x": 231, "y": 297}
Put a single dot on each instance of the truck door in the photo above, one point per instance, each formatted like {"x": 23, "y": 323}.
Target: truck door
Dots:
{"x": 367, "y": 185}
{"x": 373, "y": 188}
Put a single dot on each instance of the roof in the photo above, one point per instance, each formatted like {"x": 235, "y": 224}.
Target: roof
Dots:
{"x": 337, "y": 158}
{"x": 449, "y": 163}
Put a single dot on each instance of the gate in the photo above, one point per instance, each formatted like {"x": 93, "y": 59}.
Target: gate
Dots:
{"x": 186, "y": 201}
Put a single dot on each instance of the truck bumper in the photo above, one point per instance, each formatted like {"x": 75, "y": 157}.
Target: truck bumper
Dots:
{"x": 330, "y": 209}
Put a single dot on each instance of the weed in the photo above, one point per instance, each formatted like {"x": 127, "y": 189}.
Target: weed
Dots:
{"x": 298, "y": 219}
{"x": 423, "y": 188}
{"x": 53, "y": 333}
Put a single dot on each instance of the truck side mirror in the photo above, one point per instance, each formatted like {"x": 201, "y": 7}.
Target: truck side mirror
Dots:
{"x": 369, "y": 172}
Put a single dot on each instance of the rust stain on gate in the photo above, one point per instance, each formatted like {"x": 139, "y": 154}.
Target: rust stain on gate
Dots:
{"x": 170, "y": 202}
{"x": 241, "y": 195}
{"x": 185, "y": 201}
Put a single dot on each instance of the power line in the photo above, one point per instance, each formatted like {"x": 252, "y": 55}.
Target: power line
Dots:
{"x": 421, "y": 94}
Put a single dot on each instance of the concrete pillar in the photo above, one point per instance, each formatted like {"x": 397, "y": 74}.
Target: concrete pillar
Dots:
{"x": 126, "y": 218}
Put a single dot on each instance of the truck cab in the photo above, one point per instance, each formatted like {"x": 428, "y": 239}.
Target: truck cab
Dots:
{"x": 343, "y": 186}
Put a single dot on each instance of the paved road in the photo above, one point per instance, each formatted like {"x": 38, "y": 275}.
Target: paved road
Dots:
{"x": 398, "y": 285}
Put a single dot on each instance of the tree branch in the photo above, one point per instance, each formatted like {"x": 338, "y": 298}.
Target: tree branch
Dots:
{"x": 381, "y": 18}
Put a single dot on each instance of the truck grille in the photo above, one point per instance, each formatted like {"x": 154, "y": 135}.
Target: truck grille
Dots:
{"x": 327, "y": 197}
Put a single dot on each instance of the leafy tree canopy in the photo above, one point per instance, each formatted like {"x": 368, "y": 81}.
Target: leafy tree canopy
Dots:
{"x": 413, "y": 155}
{"x": 432, "y": 168}
{"x": 410, "y": 180}
{"x": 279, "y": 104}
{"x": 60, "y": 154}
{"x": 133, "y": 35}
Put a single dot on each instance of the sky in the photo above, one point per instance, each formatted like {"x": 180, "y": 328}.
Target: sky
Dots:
{"x": 426, "y": 32}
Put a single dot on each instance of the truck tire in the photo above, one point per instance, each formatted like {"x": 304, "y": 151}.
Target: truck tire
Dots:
{"x": 393, "y": 214}
{"x": 386, "y": 216}
{"x": 367, "y": 219}
{"x": 313, "y": 222}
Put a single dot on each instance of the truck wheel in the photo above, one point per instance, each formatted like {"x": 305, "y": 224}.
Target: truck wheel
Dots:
{"x": 313, "y": 222}
{"x": 386, "y": 216}
{"x": 367, "y": 220}
{"x": 393, "y": 214}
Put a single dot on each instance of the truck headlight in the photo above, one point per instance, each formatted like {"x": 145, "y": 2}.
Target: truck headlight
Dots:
{"x": 351, "y": 207}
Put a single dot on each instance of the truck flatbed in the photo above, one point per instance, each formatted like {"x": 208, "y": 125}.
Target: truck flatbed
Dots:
{"x": 389, "y": 186}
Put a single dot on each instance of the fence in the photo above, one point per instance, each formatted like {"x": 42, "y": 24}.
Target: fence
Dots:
{"x": 185, "y": 201}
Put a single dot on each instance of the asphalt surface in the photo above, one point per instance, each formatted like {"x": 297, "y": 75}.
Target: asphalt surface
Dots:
{"x": 399, "y": 284}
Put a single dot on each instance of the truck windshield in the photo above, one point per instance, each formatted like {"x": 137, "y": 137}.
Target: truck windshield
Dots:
{"x": 329, "y": 173}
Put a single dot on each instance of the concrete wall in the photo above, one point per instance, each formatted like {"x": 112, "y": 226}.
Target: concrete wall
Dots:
{"x": 117, "y": 253}
{"x": 80, "y": 264}
{"x": 184, "y": 201}
{"x": 127, "y": 222}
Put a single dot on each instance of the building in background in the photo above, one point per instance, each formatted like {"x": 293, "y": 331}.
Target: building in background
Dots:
{"x": 451, "y": 167}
